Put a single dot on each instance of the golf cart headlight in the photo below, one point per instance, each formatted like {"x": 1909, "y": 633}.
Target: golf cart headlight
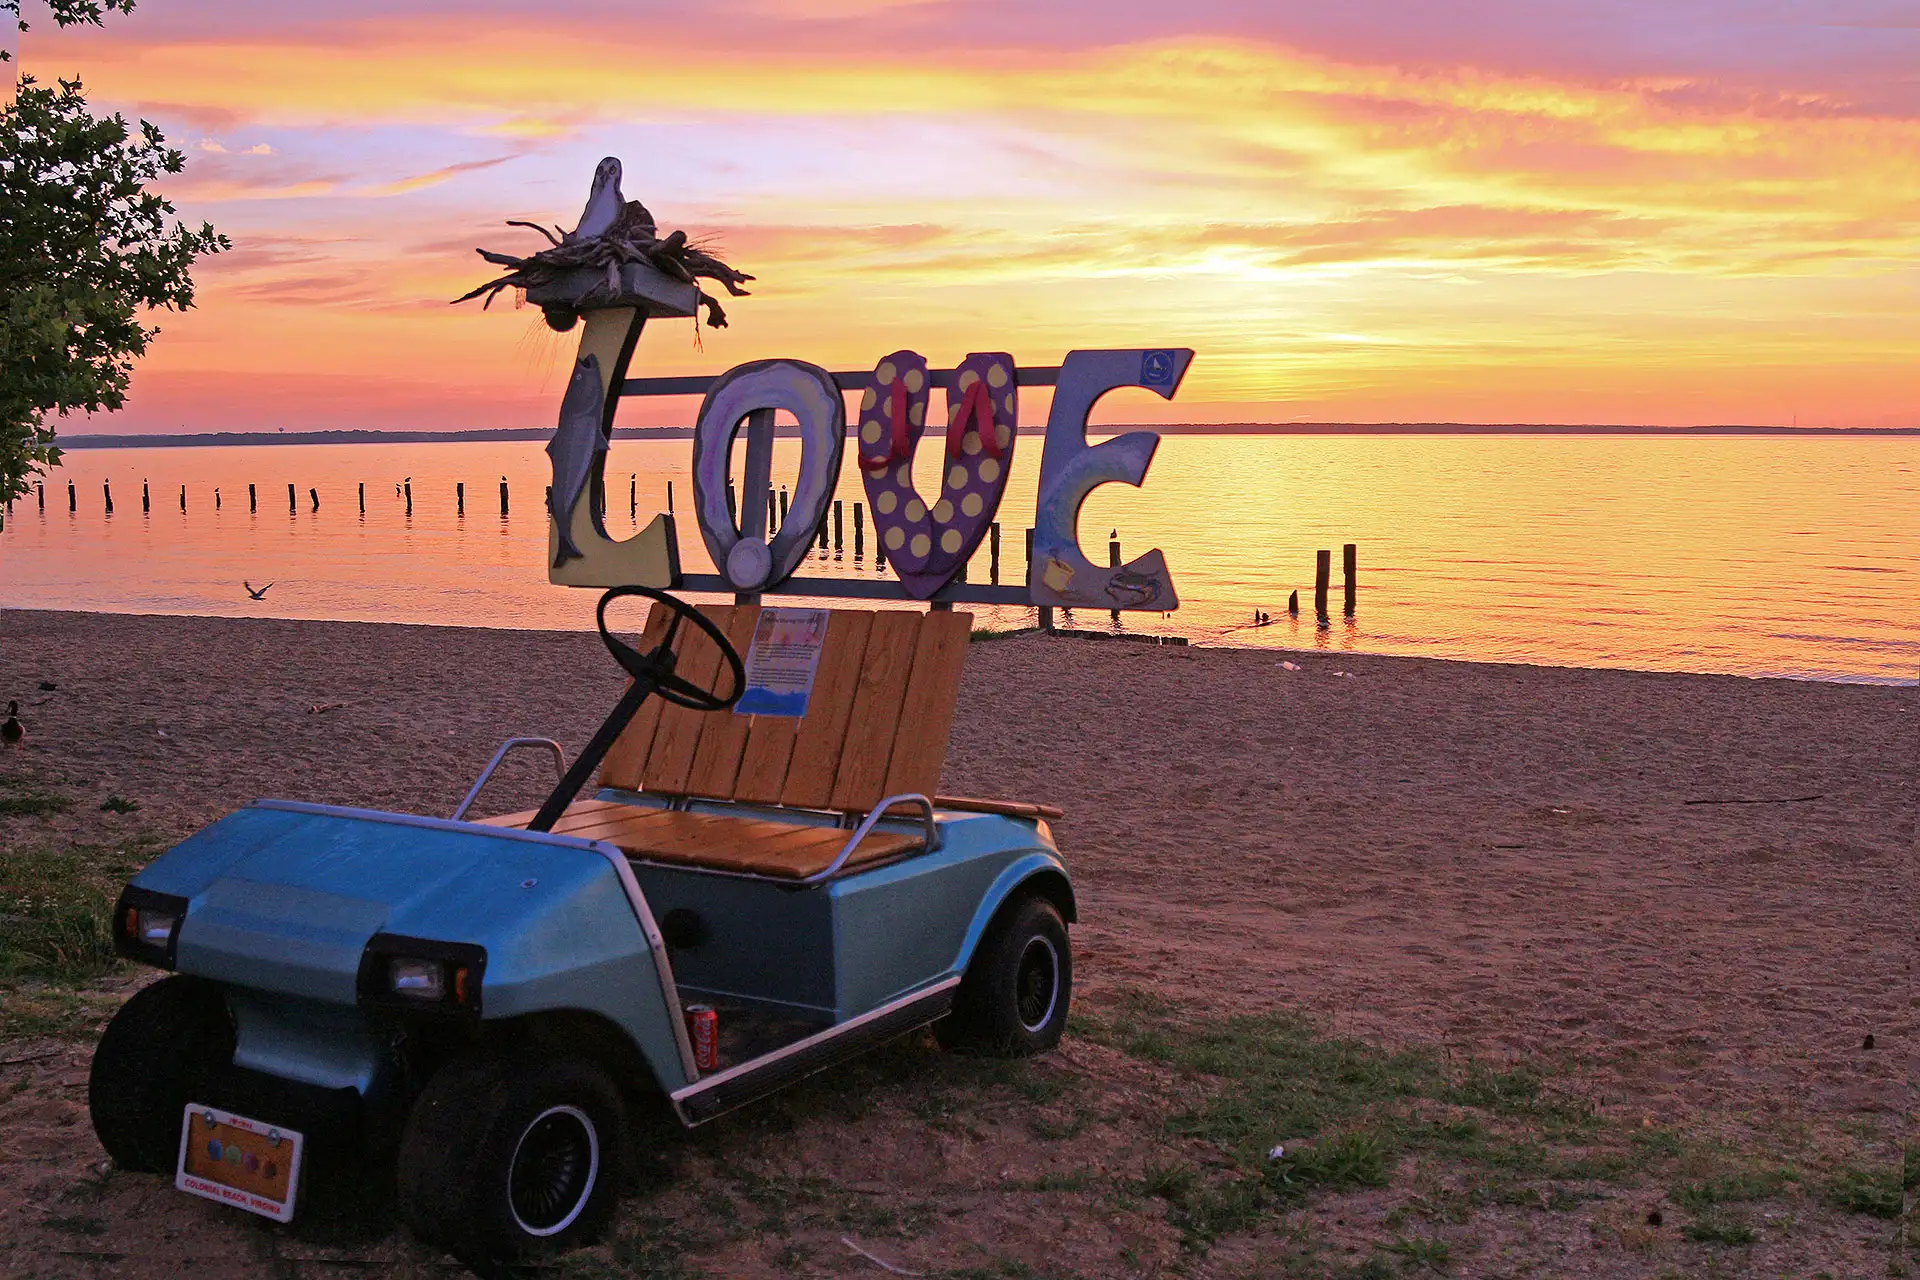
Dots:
{"x": 421, "y": 976}
{"x": 418, "y": 979}
{"x": 146, "y": 925}
{"x": 152, "y": 928}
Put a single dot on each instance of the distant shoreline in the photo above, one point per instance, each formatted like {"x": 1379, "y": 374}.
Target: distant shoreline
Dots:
{"x": 216, "y": 439}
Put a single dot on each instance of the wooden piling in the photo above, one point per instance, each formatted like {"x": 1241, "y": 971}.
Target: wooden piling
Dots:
{"x": 1293, "y": 603}
{"x": 253, "y": 499}
{"x": 314, "y": 494}
{"x": 460, "y": 497}
{"x": 293, "y": 500}
{"x": 993, "y": 551}
{"x": 146, "y": 498}
{"x": 859, "y": 530}
{"x": 633, "y": 496}
{"x": 503, "y": 486}
{"x": 216, "y": 497}
{"x": 1113, "y": 562}
{"x": 733, "y": 508}
{"x": 41, "y": 488}
{"x": 407, "y": 487}
{"x": 73, "y": 501}
{"x": 783, "y": 504}
{"x": 1349, "y": 558}
{"x": 363, "y": 497}
{"x": 1322, "y": 568}
{"x": 503, "y": 497}
{"x": 879, "y": 544}
{"x": 839, "y": 540}
{"x": 106, "y": 487}
{"x": 183, "y": 497}
{"x": 773, "y": 515}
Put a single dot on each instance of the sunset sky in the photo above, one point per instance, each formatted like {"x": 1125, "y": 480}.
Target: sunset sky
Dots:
{"x": 1636, "y": 211}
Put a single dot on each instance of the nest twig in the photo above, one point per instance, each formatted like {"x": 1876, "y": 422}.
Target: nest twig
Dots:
{"x": 632, "y": 238}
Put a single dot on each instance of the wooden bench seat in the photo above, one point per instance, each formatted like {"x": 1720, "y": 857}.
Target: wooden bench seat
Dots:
{"x": 876, "y": 725}
{"x": 717, "y": 841}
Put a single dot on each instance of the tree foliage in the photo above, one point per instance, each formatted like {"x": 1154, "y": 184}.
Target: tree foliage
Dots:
{"x": 86, "y": 250}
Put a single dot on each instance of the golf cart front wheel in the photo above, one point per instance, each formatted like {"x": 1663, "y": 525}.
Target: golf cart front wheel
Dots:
{"x": 510, "y": 1156}
{"x": 149, "y": 1065}
{"x": 1013, "y": 1001}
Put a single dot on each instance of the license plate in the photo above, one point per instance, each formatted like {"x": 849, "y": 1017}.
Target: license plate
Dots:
{"x": 245, "y": 1163}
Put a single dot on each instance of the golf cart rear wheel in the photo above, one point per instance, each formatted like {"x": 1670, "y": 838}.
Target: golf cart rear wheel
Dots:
{"x": 507, "y": 1156}
{"x": 151, "y": 1060}
{"x": 1013, "y": 1001}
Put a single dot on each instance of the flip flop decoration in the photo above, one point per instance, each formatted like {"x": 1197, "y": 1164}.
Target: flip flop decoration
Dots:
{"x": 927, "y": 545}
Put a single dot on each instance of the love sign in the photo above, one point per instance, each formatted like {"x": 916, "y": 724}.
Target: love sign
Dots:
{"x": 927, "y": 542}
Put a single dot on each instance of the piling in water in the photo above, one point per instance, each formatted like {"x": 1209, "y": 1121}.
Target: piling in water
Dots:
{"x": 993, "y": 552}
{"x": 733, "y": 503}
{"x": 839, "y": 526}
{"x": 315, "y": 495}
{"x": 363, "y": 497}
{"x": 633, "y": 496}
{"x": 73, "y": 501}
{"x": 253, "y": 499}
{"x": 42, "y": 488}
{"x": 183, "y": 497}
{"x": 1322, "y": 570}
{"x": 773, "y": 514}
{"x": 293, "y": 500}
{"x": 1349, "y": 558}
{"x": 1293, "y": 603}
{"x": 859, "y": 530}
{"x": 146, "y": 498}
{"x": 460, "y": 497}
{"x": 1113, "y": 562}
{"x": 503, "y": 496}
{"x": 783, "y": 504}
{"x": 107, "y": 489}
{"x": 503, "y": 488}
{"x": 407, "y": 486}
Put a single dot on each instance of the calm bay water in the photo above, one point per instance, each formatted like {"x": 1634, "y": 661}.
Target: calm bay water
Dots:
{"x": 1743, "y": 555}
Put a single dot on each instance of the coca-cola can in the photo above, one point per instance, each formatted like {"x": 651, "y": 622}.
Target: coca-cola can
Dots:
{"x": 703, "y": 1028}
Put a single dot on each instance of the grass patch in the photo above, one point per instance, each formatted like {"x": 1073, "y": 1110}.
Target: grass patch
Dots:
{"x": 1745, "y": 1185}
{"x": 1718, "y": 1229}
{"x": 20, "y": 798}
{"x": 1877, "y": 1194}
{"x": 119, "y": 804}
{"x": 54, "y": 916}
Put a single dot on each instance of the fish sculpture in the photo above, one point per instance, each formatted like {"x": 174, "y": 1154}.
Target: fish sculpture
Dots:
{"x": 577, "y": 446}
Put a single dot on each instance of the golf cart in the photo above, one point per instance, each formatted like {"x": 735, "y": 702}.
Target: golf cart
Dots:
{"x": 744, "y": 899}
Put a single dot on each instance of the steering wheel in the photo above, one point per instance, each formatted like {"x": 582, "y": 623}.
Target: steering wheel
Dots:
{"x": 656, "y": 666}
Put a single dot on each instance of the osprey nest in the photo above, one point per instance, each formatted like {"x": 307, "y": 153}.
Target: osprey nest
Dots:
{"x": 612, "y": 233}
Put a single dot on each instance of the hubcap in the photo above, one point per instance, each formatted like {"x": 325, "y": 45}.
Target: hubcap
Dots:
{"x": 555, "y": 1165}
{"x": 1036, "y": 984}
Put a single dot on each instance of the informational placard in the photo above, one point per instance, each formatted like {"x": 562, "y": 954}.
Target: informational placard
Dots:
{"x": 248, "y": 1164}
{"x": 782, "y": 662}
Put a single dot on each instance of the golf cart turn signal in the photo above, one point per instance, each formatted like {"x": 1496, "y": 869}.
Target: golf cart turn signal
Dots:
{"x": 147, "y": 925}
{"x": 421, "y": 975}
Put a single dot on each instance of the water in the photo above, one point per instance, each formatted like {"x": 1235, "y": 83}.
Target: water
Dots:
{"x": 1750, "y": 556}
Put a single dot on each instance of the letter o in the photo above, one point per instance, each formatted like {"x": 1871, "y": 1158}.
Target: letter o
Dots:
{"x": 808, "y": 393}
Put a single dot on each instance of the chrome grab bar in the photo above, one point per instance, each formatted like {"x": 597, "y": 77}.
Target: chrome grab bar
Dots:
{"x": 866, "y": 826}
{"x": 559, "y": 763}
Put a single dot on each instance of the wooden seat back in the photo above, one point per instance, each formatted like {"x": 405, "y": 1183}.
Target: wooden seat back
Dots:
{"x": 876, "y": 724}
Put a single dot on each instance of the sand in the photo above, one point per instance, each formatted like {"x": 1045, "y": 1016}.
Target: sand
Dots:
{"x": 1690, "y": 893}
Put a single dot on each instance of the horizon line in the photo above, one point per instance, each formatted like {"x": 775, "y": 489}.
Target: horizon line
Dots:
{"x": 215, "y": 439}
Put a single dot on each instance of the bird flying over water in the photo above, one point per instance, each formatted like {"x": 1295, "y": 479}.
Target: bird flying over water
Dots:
{"x": 261, "y": 594}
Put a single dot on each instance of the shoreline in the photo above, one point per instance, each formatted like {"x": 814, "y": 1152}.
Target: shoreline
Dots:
{"x": 1144, "y": 638}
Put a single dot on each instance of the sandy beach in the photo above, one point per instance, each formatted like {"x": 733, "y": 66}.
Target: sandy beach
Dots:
{"x": 1687, "y": 896}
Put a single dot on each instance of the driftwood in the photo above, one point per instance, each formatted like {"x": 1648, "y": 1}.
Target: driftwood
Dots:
{"x": 613, "y": 232}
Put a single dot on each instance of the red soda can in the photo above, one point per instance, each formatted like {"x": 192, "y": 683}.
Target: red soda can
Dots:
{"x": 703, "y": 1028}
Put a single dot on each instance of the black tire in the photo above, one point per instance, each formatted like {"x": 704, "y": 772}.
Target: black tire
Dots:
{"x": 1014, "y": 998}
{"x": 151, "y": 1060}
{"x": 511, "y": 1155}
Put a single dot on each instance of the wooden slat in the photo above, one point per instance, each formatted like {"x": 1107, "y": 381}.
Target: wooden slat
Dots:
{"x": 723, "y": 736}
{"x": 627, "y": 758}
{"x": 864, "y": 756}
{"x": 770, "y": 743}
{"x": 926, "y": 713}
{"x": 1007, "y": 808}
{"x": 680, "y": 727}
{"x": 816, "y": 745}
